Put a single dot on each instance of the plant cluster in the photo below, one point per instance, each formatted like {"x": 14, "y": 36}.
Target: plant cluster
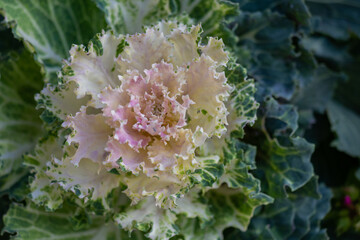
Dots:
{"x": 171, "y": 119}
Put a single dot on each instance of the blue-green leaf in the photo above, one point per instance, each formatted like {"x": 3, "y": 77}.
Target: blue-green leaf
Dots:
{"x": 286, "y": 164}
{"x": 297, "y": 217}
{"x": 346, "y": 124}
{"x": 336, "y": 19}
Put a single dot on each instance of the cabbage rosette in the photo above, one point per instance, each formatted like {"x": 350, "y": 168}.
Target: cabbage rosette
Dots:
{"x": 151, "y": 113}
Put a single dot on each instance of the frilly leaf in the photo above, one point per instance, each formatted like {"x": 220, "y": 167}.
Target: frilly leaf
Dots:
{"x": 89, "y": 180}
{"x": 147, "y": 216}
{"x": 90, "y": 133}
{"x": 209, "y": 111}
{"x": 94, "y": 68}
{"x": 42, "y": 190}
{"x": 286, "y": 164}
{"x": 60, "y": 100}
{"x": 285, "y": 115}
{"x": 239, "y": 158}
{"x": 229, "y": 207}
{"x": 193, "y": 205}
{"x": 297, "y": 217}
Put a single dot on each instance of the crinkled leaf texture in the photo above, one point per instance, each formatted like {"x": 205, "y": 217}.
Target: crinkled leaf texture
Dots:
{"x": 285, "y": 157}
{"x": 43, "y": 192}
{"x": 297, "y": 217}
{"x": 135, "y": 114}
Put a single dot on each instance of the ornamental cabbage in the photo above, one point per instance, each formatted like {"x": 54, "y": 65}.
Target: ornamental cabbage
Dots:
{"x": 144, "y": 103}
{"x": 149, "y": 113}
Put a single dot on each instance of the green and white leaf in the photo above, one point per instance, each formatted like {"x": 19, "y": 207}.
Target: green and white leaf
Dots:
{"x": 20, "y": 125}
{"x": 212, "y": 14}
{"x": 233, "y": 203}
{"x": 129, "y": 17}
{"x": 242, "y": 108}
{"x": 193, "y": 205}
{"x": 147, "y": 217}
{"x": 209, "y": 171}
{"x": 32, "y": 223}
{"x": 50, "y": 27}
{"x": 230, "y": 208}
{"x": 42, "y": 190}
{"x": 239, "y": 158}
{"x": 88, "y": 181}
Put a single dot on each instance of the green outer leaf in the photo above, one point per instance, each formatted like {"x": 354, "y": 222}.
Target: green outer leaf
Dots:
{"x": 51, "y": 27}
{"x": 284, "y": 160}
{"x": 319, "y": 91}
{"x": 264, "y": 49}
{"x": 232, "y": 204}
{"x": 128, "y": 16}
{"x": 286, "y": 165}
{"x": 297, "y": 217}
{"x": 7, "y": 41}
{"x": 323, "y": 207}
{"x": 209, "y": 171}
{"x": 147, "y": 217}
{"x": 239, "y": 158}
{"x": 346, "y": 124}
{"x": 235, "y": 207}
{"x": 230, "y": 207}
{"x": 212, "y": 14}
{"x": 286, "y": 113}
{"x": 70, "y": 223}
{"x": 42, "y": 190}
{"x": 20, "y": 125}
{"x": 243, "y": 107}
{"x": 336, "y": 19}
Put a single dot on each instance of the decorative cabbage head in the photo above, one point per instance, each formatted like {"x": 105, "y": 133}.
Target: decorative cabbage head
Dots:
{"x": 140, "y": 105}
{"x": 155, "y": 117}
{"x": 147, "y": 111}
